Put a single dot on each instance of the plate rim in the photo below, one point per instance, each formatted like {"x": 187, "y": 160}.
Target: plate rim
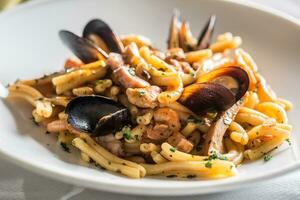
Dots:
{"x": 139, "y": 189}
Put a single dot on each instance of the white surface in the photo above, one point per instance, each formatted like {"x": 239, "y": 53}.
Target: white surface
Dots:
{"x": 27, "y": 185}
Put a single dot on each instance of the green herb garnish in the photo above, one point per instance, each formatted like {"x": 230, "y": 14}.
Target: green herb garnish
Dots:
{"x": 267, "y": 157}
{"x": 216, "y": 155}
{"x": 126, "y": 130}
{"x": 173, "y": 149}
{"x": 142, "y": 93}
{"x": 212, "y": 115}
{"x": 208, "y": 164}
{"x": 191, "y": 119}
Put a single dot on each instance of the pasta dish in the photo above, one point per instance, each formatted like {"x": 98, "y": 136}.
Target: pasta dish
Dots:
{"x": 195, "y": 110}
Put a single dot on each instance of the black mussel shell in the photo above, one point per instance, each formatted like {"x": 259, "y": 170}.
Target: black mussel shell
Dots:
{"x": 205, "y": 97}
{"x": 206, "y": 34}
{"x": 238, "y": 77}
{"x": 97, "y": 115}
{"x": 81, "y": 47}
{"x": 100, "y": 29}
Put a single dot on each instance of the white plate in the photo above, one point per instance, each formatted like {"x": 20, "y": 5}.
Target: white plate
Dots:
{"x": 30, "y": 47}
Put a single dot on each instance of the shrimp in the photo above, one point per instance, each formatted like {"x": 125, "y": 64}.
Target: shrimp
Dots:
{"x": 167, "y": 116}
{"x": 143, "y": 97}
{"x": 125, "y": 75}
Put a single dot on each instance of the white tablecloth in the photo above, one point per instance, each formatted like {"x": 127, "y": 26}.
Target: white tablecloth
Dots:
{"x": 18, "y": 184}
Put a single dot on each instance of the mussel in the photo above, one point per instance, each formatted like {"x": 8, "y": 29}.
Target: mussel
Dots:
{"x": 206, "y": 34}
{"x": 181, "y": 36}
{"x": 217, "y": 90}
{"x": 85, "y": 50}
{"x": 97, "y": 115}
{"x": 103, "y": 36}
{"x": 173, "y": 39}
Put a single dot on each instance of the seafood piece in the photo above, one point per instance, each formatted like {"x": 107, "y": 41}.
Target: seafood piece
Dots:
{"x": 125, "y": 75}
{"x": 186, "y": 40}
{"x": 214, "y": 137}
{"x": 111, "y": 144}
{"x": 206, "y": 33}
{"x": 173, "y": 40}
{"x": 144, "y": 97}
{"x": 167, "y": 116}
{"x": 85, "y": 50}
{"x": 103, "y": 36}
{"x": 96, "y": 115}
{"x": 178, "y": 141}
{"x": 217, "y": 90}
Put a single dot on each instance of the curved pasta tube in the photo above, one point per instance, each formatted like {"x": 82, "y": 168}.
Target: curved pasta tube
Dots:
{"x": 252, "y": 100}
{"x": 157, "y": 157}
{"x": 273, "y": 110}
{"x": 153, "y": 60}
{"x": 76, "y": 78}
{"x": 248, "y": 59}
{"x": 217, "y": 169}
{"x": 235, "y": 152}
{"x": 136, "y": 133}
{"x": 252, "y": 111}
{"x": 149, "y": 147}
{"x": 264, "y": 91}
{"x": 111, "y": 157}
{"x": 103, "y": 162}
{"x": 222, "y": 45}
{"x": 262, "y": 130}
{"x": 169, "y": 153}
{"x": 238, "y": 133}
{"x": 172, "y": 93}
{"x": 139, "y": 40}
{"x": 258, "y": 152}
{"x": 199, "y": 55}
{"x": 249, "y": 118}
{"x": 25, "y": 92}
{"x": 286, "y": 104}
{"x": 242, "y": 63}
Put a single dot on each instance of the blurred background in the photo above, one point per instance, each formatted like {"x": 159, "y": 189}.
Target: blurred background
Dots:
{"x": 288, "y": 6}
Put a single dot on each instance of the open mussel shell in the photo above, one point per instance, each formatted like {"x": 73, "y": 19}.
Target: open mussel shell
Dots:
{"x": 173, "y": 39}
{"x": 206, "y": 34}
{"x": 81, "y": 47}
{"x": 204, "y": 97}
{"x": 233, "y": 78}
{"x": 101, "y": 34}
{"x": 96, "y": 115}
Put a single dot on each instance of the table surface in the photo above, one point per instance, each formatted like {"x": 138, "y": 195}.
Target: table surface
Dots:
{"x": 17, "y": 183}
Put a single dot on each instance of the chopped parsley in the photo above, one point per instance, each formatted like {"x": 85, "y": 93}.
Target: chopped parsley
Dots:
{"x": 212, "y": 114}
{"x": 289, "y": 141}
{"x": 126, "y": 130}
{"x": 131, "y": 71}
{"x": 208, "y": 164}
{"x": 173, "y": 149}
{"x": 65, "y": 147}
{"x": 216, "y": 155}
{"x": 99, "y": 81}
{"x": 267, "y": 157}
{"x": 142, "y": 93}
{"x": 191, "y": 119}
